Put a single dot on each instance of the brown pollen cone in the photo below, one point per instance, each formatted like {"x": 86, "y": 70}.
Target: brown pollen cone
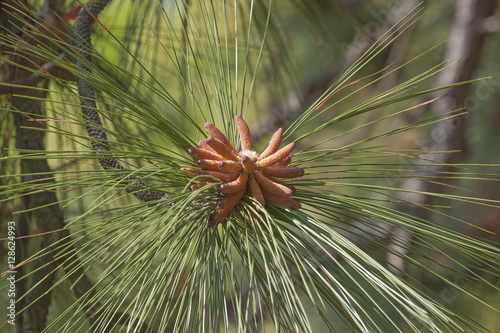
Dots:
{"x": 245, "y": 171}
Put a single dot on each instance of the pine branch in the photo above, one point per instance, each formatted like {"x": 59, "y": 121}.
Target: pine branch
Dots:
{"x": 31, "y": 80}
{"x": 48, "y": 215}
{"x": 33, "y": 289}
{"x": 83, "y": 49}
{"x": 45, "y": 219}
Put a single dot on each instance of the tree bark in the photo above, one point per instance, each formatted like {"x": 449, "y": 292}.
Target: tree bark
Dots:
{"x": 42, "y": 220}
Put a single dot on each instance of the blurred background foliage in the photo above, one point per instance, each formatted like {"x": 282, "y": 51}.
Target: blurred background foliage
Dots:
{"x": 309, "y": 45}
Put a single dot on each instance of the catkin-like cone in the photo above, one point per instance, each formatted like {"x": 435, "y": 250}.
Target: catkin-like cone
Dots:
{"x": 230, "y": 166}
{"x": 211, "y": 165}
{"x": 237, "y": 185}
{"x": 255, "y": 192}
{"x": 223, "y": 177}
{"x": 246, "y": 140}
{"x": 222, "y": 149}
{"x": 203, "y": 154}
{"x": 277, "y": 181}
{"x": 216, "y": 134}
{"x": 248, "y": 164}
{"x": 277, "y": 156}
{"x": 190, "y": 170}
{"x": 296, "y": 204}
{"x": 226, "y": 205}
{"x": 244, "y": 172}
{"x": 273, "y": 145}
{"x": 202, "y": 144}
{"x": 281, "y": 182}
{"x": 283, "y": 171}
{"x": 200, "y": 185}
{"x": 284, "y": 162}
{"x": 281, "y": 200}
{"x": 270, "y": 186}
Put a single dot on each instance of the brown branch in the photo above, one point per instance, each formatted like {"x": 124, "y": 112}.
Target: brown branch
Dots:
{"x": 49, "y": 12}
{"x": 82, "y": 286}
{"x": 35, "y": 300}
{"x": 45, "y": 219}
{"x": 30, "y": 80}
{"x": 465, "y": 43}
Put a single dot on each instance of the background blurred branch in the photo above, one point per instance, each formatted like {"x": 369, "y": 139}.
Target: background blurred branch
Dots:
{"x": 472, "y": 22}
{"x": 297, "y": 102}
{"x": 48, "y": 216}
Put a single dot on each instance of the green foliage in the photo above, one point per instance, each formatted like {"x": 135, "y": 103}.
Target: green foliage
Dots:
{"x": 164, "y": 265}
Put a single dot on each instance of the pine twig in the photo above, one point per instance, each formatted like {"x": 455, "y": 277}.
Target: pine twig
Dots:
{"x": 83, "y": 49}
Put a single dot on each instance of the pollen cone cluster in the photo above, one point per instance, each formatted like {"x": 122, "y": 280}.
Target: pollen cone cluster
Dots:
{"x": 244, "y": 172}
